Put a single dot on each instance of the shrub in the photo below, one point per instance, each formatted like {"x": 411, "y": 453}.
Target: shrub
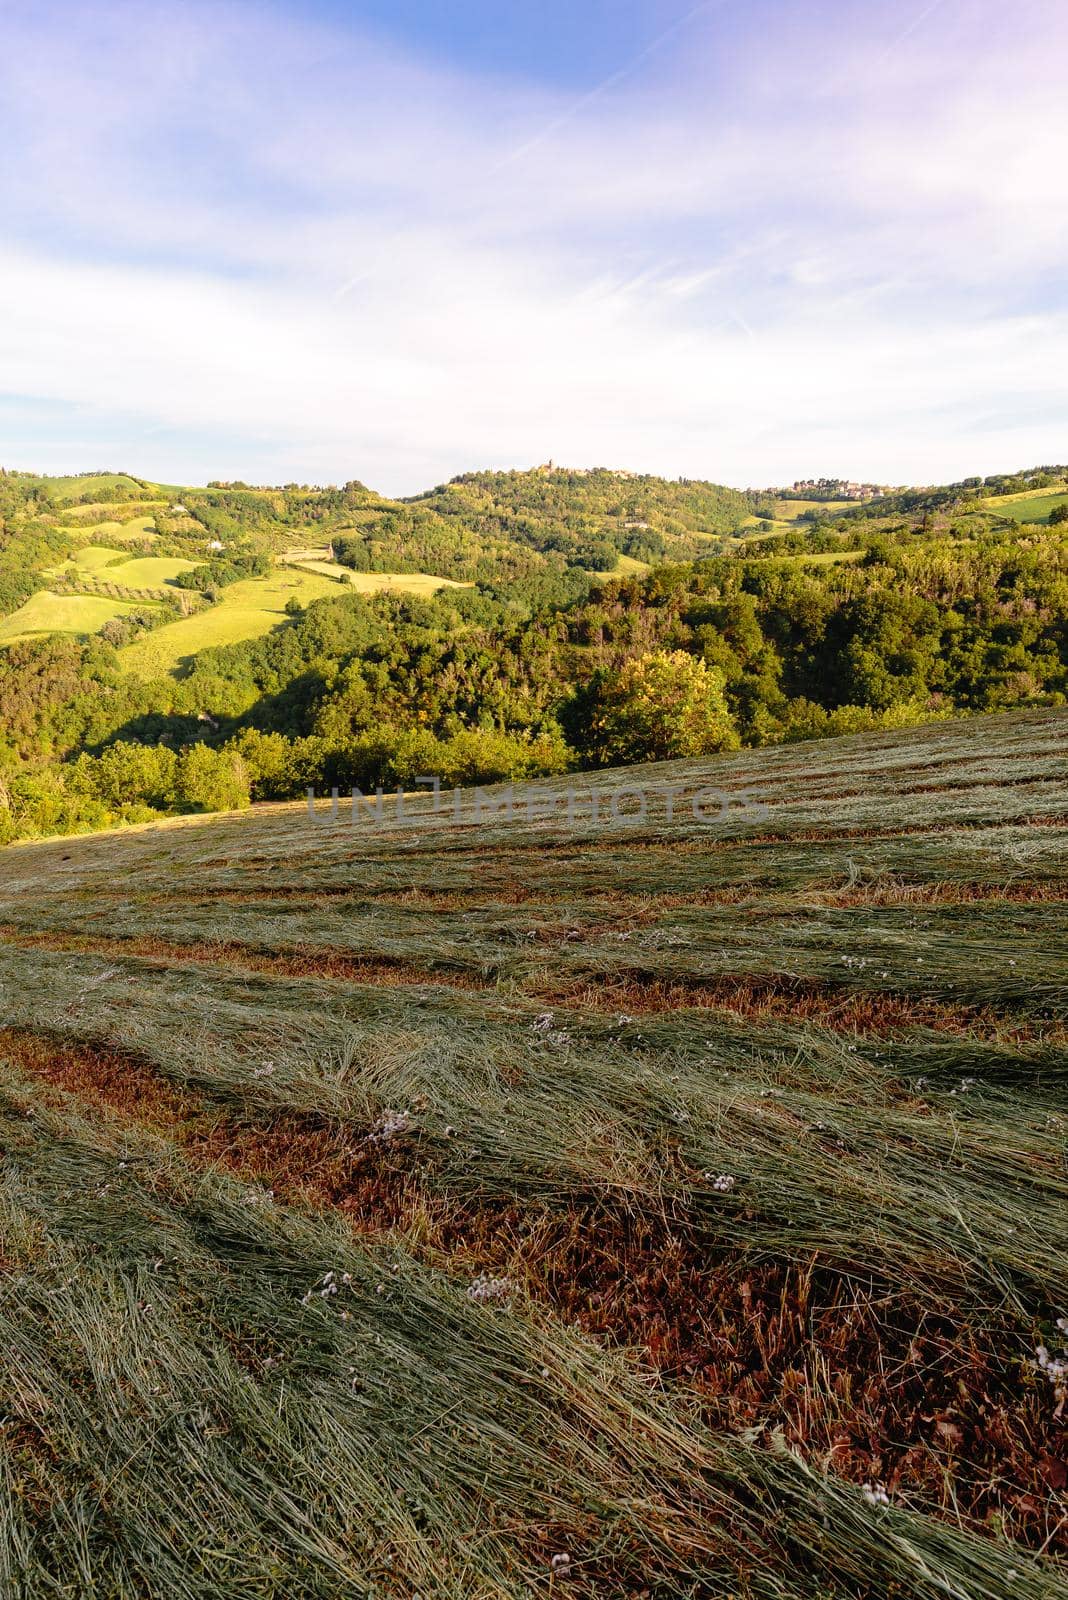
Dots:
{"x": 658, "y": 706}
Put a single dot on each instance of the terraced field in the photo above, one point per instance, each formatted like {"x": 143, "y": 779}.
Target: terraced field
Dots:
{"x": 456, "y": 1205}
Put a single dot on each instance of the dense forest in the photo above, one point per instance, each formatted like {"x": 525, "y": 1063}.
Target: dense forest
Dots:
{"x": 927, "y": 604}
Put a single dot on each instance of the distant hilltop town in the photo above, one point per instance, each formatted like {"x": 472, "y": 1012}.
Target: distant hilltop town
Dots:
{"x": 803, "y": 489}
{"x": 837, "y": 489}
{"x": 547, "y": 467}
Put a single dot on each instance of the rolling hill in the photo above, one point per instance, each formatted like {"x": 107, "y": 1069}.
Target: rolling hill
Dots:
{"x": 665, "y": 1203}
{"x": 256, "y": 640}
{"x": 495, "y": 528}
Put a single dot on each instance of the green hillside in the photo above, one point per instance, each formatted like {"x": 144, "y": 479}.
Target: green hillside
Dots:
{"x": 668, "y": 1204}
{"x": 197, "y": 648}
{"x": 46, "y": 613}
{"x": 1027, "y": 506}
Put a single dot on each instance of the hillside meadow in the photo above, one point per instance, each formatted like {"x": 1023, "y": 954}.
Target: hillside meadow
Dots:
{"x": 45, "y": 613}
{"x": 169, "y": 649}
{"x": 1026, "y": 506}
{"x": 247, "y": 610}
{"x": 668, "y": 1203}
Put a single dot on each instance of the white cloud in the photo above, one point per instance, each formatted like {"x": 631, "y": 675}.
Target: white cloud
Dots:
{"x": 258, "y": 250}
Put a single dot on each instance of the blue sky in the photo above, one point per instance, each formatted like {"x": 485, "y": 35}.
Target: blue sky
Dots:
{"x": 397, "y": 240}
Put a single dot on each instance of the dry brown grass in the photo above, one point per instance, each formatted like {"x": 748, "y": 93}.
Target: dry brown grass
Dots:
{"x": 755, "y": 999}
{"x": 296, "y": 963}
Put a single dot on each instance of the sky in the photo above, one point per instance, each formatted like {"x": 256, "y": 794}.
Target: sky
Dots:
{"x": 739, "y": 240}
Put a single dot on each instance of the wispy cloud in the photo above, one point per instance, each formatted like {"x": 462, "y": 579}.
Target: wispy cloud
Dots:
{"x": 757, "y": 249}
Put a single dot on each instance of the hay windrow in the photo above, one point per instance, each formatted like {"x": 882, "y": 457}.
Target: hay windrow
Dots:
{"x": 426, "y": 1203}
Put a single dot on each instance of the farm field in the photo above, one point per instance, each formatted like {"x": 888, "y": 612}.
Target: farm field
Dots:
{"x": 117, "y": 566}
{"x": 45, "y": 612}
{"x": 1030, "y": 506}
{"x": 93, "y": 558}
{"x": 788, "y": 513}
{"x": 246, "y": 610}
{"x": 625, "y": 567}
{"x": 147, "y": 572}
{"x": 119, "y": 533}
{"x": 71, "y": 486}
{"x": 670, "y": 1204}
{"x": 252, "y": 607}
{"x": 373, "y": 582}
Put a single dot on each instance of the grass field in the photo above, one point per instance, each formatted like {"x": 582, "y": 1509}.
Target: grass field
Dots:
{"x": 117, "y": 533}
{"x": 95, "y": 557}
{"x": 247, "y": 610}
{"x": 788, "y": 513}
{"x": 477, "y": 1208}
{"x": 109, "y": 565}
{"x": 625, "y": 567}
{"x": 373, "y": 582}
{"x": 147, "y": 572}
{"x": 73, "y": 486}
{"x": 45, "y": 612}
{"x": 131, "y": 515}
{"x": 1030, "y": 506}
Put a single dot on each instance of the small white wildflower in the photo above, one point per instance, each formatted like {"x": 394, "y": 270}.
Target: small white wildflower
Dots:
{"x": 875, "y": 1494}
{"x": 560, "y": 1565}
{"x": 486, "y": 1288}
{"x": 1055, "y": 1369}
{"x": 724, "y": 1183}
{"x": 389, "y": 1126}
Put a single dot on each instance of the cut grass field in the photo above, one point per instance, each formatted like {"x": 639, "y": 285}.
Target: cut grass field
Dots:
{"x": 457, "y": 1207}
{"x": 45, "y": 612}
